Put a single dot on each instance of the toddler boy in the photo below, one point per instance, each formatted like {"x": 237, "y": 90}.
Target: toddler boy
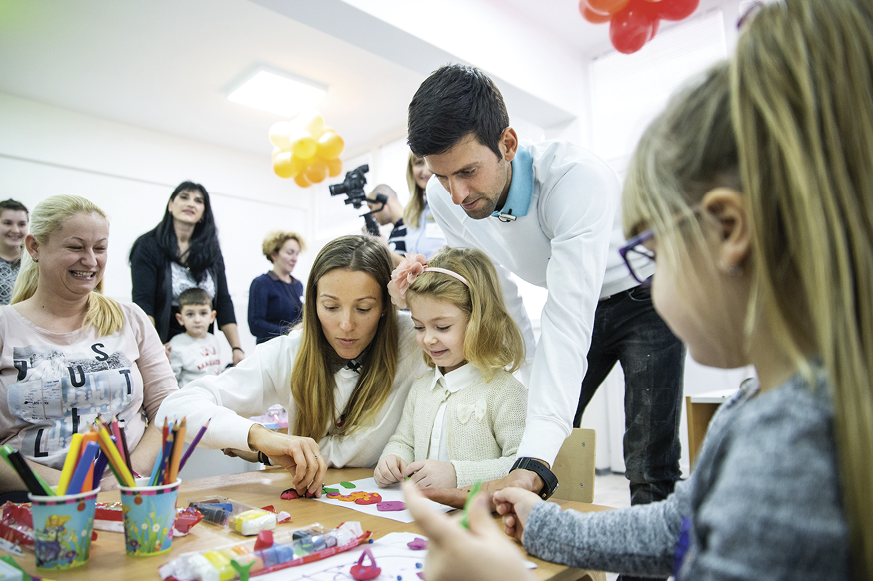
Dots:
{"x": 196, "y": 353}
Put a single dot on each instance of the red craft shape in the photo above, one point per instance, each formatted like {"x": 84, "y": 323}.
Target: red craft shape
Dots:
{"x": 289, "y": 494}
{"x": 362, "y": 572}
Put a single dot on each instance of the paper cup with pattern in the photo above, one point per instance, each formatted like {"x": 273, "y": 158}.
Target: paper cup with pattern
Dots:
{"x": 149, "y": 514}
{"x": 62, "y": 527}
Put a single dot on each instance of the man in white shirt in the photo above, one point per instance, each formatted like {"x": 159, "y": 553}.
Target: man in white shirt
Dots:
{"x": 548, "y": 213}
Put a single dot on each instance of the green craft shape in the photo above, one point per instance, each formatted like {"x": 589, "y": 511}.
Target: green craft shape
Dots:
{"x": 330, "y": 490}
{"x": 347, "y": 485}
{"x": 242, "y": 570}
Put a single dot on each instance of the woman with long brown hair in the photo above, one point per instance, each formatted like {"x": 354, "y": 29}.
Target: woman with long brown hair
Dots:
{"x": 343, "y": 377}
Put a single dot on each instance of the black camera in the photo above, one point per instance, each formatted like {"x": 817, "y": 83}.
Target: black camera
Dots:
{"x": 353, "y": 187}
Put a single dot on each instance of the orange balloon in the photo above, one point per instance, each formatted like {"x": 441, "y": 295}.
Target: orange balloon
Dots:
{"x": 330, "y": 145}
{"x": 317, "y": 172}
{"x": 301, "y": 180}
{"x": 592, "y": 16}
{"x": 607, "y": 6}
{"x": 334, "y": 167}
{"x": 285, "y": 165}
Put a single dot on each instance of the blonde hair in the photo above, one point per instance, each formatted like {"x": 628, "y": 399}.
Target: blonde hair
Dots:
{"x": 275, "y": 240}
{"x": 492, "y": 340}
{"x": 412, "y": 213}
{"x": 48, "y": 217}
{"x": 312, "y": 381}
{"x": 800, "y": 88}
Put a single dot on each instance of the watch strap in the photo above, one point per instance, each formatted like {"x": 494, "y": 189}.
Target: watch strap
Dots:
{"x": 550, "y": 481}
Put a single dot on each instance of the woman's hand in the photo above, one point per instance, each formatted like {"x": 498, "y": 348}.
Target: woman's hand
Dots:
{"x": 299, "y": 456}
{"x": 246, "y": 455}
{"x": 432, "y": 473}
{"x": 515, "y": 505}
{"x": 389, "y": 470}
{"x": 238, "y": 355}
{"x": 482, "y": 553}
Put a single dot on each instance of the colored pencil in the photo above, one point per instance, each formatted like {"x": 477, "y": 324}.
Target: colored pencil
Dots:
{"x": 193, "y": 444}
{"x": 124, "y": 447}
{"x": 165, "y": 461}
{"x": 99, "y": 469}
{"x": 70, "y": 463}
{"x": 126, "y": 478}
{"x": 36, "y": 485}
{"x": 116, "y": 431}
{"x": 176, "y": 457}
{"x": 88, "y": 483}
{"x": 85, "y": 465}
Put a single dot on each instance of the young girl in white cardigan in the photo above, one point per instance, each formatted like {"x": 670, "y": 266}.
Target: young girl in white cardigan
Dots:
{"x": 463, "y": 419}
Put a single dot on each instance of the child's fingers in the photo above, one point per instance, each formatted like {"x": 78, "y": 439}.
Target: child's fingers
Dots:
{"x": 413, "y": 468}
{"x": 396, "y": 469}
{"x": 479, "y": 518}
{"x": 436, "y": 526}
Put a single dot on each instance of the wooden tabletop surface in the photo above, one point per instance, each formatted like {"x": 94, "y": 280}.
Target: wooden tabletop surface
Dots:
{"x": 259, "y": 488}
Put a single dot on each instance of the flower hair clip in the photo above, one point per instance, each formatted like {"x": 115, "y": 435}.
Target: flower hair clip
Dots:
{"x": 406, "y": 273}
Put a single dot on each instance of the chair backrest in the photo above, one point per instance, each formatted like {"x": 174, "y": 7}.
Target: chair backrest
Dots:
{"x": 574, "y": 466}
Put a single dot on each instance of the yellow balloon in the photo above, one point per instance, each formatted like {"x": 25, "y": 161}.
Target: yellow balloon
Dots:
{"x": 311, "y": 121}
{"x": 330, "y": 145}
{"x": 301, "y": 180}
{"x": 317, "y": 171}
{"x": 280, "y": 133}
{"x": 285, "y": 165}
{"x": 334, "y": 167}
{"x": 276, "y": 151}
{"x": 302, "y": 144}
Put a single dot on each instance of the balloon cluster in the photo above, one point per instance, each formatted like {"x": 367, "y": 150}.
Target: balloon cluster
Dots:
{"x": 633, "y": 23}
{"x": 306, "y": 150}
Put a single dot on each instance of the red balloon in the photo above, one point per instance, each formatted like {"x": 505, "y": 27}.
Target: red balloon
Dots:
{"x": 675, "y": 9}
{"x": 632, "y": 28}
{"x": 656, "y": 24}
{"x": 592, "y": 16}
{"x": 607, "y": 6}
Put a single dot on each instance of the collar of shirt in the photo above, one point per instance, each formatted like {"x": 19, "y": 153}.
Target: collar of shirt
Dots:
{"x": 522, "y": 186}
{"x": 458, "y": 379}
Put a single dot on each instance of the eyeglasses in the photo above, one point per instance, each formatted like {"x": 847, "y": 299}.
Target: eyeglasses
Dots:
{"x": 634, "y": 248}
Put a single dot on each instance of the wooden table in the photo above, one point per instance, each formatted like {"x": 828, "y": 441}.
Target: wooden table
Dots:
{"x": 108, "y": 560}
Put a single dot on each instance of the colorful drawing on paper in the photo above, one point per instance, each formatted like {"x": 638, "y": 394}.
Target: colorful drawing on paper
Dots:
{"x": 366, "y": 488}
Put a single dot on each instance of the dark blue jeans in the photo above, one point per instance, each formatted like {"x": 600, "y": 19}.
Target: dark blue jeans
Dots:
{"x": 627, "y": 329}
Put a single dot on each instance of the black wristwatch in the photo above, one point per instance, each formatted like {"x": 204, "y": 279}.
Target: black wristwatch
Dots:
{"x": 550, "y": 481}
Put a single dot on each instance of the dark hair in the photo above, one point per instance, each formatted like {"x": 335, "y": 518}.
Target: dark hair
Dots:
{"x": 203, "y": 251}
{"x": 454, "y": 101}
{"x": 13, "y": 205}
{"x": 194, "y": 296}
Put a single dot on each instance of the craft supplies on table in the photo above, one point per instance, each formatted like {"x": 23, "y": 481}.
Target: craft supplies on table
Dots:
{"x": 236, "y": 516}
{"x": 266, "y": 554}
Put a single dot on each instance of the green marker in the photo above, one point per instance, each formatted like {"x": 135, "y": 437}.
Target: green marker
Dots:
{"x": 473, "y": 491}
{"x": 36, "y": 485}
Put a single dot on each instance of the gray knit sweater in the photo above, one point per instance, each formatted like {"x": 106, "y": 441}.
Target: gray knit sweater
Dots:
{"x": 763, "y": 502}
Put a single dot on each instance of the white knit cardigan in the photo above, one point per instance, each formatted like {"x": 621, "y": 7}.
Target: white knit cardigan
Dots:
{"x": 485, "y": 423}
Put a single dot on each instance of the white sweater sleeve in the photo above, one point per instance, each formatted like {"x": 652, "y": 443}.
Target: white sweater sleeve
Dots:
{"x": 260, "y": 380}
{"x": 579, "y": 212}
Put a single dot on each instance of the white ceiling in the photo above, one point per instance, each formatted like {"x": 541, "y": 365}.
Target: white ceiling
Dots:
{"x": 166, "y": 65}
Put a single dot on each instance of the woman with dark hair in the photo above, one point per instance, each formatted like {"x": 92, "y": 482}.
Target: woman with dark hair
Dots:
{"x": 182, "y": 252}
{"x": 343, "y": 377}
